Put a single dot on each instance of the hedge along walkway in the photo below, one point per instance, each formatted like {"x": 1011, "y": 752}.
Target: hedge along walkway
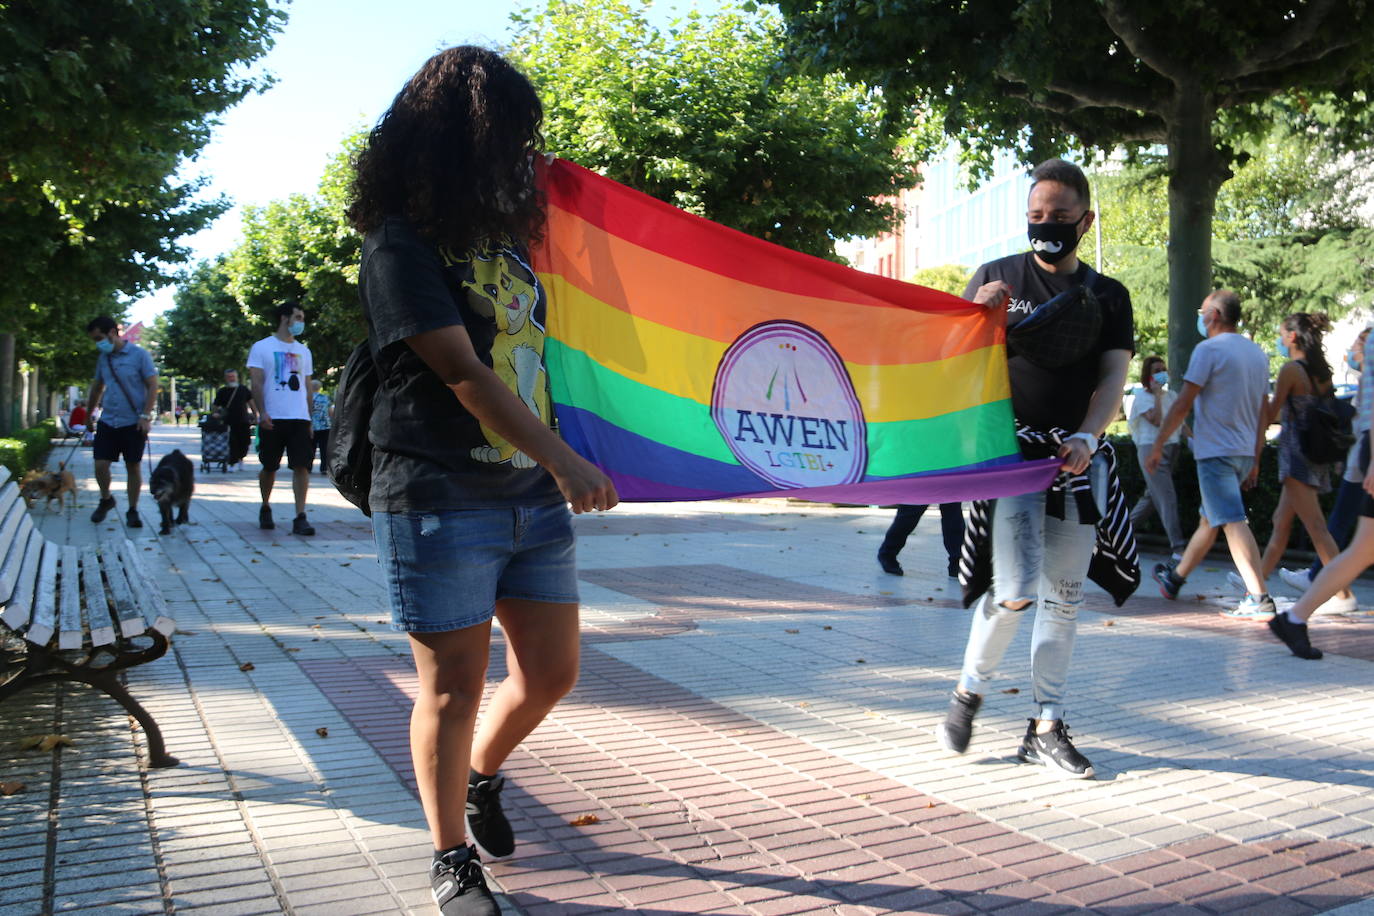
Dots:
{"x": 753, "y": 733}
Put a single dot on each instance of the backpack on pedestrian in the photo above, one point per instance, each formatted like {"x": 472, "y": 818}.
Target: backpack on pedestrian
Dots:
{"x": 349, "y": 460}
{"x": 1324, "y": 429}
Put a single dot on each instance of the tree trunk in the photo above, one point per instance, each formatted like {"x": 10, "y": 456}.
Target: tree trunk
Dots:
{"x": 6, "y": 384}
{"x": 25, "y": 396}
{"x": 1196, "y": 173}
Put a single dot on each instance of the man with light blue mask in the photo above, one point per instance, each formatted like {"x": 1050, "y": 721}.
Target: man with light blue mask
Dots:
{"x": 125, "y": 388}
{"x": 280, "y": 367}
{"x": 1228, "y": 378}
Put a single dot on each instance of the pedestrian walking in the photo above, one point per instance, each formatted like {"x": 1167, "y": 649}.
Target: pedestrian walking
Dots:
{"x": 280, "y": 367}
{"x": 1148, "y": 408}
{"x": 1345, "y": 510}
{"x": 905, "y": 522}
{"x": 1066, "y": 386}
{"x": 1290, "y": 626}
{"x": 470, "y": 486}
{"x": 1302, "y": 384}
{"x": 234, "y": 404}
{"x": 321, "y": 414}
{"x": 125, "y": 390}
{"x": 1228, "y": 378}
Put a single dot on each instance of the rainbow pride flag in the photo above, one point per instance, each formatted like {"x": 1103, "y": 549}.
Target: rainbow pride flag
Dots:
{"x": 690, "y": 361}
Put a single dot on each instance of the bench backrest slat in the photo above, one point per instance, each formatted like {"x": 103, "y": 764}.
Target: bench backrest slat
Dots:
{"x": 71, "y": 632}
{"x": 12, "y": 553}
{"x": 99, "y": 618}
{"x": 29, "y": 550}
{"x": 150, "y": 597}
{"x": 45, "y": 598}
{"x": 9, "y": 495}
{"x": 114, "y": 557}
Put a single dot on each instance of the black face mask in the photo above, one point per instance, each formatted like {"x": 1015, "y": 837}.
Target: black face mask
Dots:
{"x": 1054, "y": 242}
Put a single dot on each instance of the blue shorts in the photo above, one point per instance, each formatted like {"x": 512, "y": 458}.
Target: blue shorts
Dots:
{"x": 445, "y": 570}
{"x": 1219, "y": 480}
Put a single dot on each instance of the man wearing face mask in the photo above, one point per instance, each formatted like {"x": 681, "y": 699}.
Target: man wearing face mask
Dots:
{"x": 125, "y": 387}
{"x": 234, "y": 403}
{"x": 280, "y": 367}
{"x": 1041, "y": 548}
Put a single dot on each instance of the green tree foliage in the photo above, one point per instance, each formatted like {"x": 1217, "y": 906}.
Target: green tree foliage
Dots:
{"x": 100, "y": 103}
{"x": 710, "y": 117}
{"x": 951, "y": 278}
{"x": 206, "y": 331}
{"x": 1288, "y": 235}
{"x": 1196, "y": 76}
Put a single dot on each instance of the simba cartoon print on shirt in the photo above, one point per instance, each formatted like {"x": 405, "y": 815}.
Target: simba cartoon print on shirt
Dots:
{"x": 517, "y": 352}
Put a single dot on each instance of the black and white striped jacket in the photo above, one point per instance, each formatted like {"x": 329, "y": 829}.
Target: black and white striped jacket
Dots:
{"x": 1113, "y": 566}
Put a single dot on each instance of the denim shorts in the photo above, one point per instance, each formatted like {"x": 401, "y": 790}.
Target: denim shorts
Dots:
{"x": 1219, "y": 481}
{"x": 445, "y": 570}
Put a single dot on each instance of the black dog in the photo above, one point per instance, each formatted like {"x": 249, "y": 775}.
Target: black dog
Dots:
{"x": 172, "y": 483}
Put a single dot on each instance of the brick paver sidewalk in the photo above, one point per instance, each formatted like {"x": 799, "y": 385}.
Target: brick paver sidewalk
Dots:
{"x": 752, "y": 734}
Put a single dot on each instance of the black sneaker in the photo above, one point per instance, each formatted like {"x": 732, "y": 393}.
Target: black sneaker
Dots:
{"x": 1054, "y": 750}
{"x": 131, "y": 519}
{"x": 102, "y": 509}
{"x": 1170, "y": 583}
{"x": 265, "y": 518}
{"x": 890, "y": 565}
{"x": 487, "y": 824}
{"x": 954, "y": 733}
{"x": 1294, "y": 636}
{"x": 300, "y": 526}
{"x": 459, "y": 886}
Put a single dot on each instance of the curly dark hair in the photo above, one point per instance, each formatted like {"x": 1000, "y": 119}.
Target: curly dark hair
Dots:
{"x": 1309, "y": 328}
{"x": 453, "y": 154}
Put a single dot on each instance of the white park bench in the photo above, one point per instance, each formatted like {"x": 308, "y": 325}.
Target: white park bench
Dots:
{"x": 76, "y": 614}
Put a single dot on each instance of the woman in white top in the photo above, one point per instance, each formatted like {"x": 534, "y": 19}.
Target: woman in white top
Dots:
{"x": 1147, "y": 410}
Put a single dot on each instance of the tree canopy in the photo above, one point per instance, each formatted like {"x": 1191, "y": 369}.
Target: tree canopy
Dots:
{"x": 100, "y": 104}
{"x": 1049, "y": 75}
{"x": 710, "y": 116}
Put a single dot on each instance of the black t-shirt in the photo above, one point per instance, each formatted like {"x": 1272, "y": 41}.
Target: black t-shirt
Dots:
{"x": 429, "y": 452}
{"x": 1043, "y": 398}
{"x": 235, "y": 402}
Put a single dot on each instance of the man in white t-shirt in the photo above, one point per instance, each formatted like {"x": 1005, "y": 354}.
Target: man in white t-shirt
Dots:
{"x": 280, "y": 367}
{"x": 1228, "y": 377}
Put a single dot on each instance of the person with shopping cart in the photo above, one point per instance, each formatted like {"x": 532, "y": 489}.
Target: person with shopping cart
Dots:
{"x": 125, "y": 388}
{"x": 235, "y": 406}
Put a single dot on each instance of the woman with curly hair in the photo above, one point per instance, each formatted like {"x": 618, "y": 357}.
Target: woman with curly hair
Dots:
{"x": 471, "y": 486}
{"x": 1302, "y": 381}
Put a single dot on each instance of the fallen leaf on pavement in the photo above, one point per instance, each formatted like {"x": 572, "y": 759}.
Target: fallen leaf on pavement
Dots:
{"x": 247, "y": 666}
{"x": 585, "y": 820}
{"x": 859, "y": 661}
{"x": 322, "y": 732}
{"x": 1012, "y": 690}
{"x": 827, "y": 627}
{"x": 45, "y": 742}
{"x": 791, "y": 631}
{"x": 863, "y": 797}
{"x": 11, "y": 788}
{"x": 803, "y": 704}
{"x": 1109, "y": 623}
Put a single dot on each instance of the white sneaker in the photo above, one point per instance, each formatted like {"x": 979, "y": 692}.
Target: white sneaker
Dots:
{"x": 1337, "y": 605}
{"x": 1295, "y": 578}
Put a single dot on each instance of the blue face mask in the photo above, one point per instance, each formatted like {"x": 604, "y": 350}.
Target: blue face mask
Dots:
{"x": 1281, "y": 347}
{"x": 296, "y": 328}
{"x": 1161, "y": 378}
{"x": 105, "y": 346}
{"x": 1201, "y": 326}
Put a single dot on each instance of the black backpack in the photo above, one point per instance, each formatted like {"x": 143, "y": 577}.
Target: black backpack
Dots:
{"x": 1324, "y": 429}
{"x": 349, "y": 461}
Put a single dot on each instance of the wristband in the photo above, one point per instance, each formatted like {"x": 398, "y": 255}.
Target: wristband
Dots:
{"x": 1089, "y": 438}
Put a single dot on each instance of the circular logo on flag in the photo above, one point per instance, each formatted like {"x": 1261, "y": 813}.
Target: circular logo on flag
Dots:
{"x": 785, "y": 405}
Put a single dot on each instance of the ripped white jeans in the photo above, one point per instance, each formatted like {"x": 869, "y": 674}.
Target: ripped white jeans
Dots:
{"x": 1044, "y": 561}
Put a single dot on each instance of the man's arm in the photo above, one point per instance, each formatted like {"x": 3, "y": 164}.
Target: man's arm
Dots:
{"x": 1103, "y": 408}
{"x": 1172, "y": 421}
{"x": 259, "y": 380}
{"x": 93, "y": 399}
{"x": 149, "y": 403}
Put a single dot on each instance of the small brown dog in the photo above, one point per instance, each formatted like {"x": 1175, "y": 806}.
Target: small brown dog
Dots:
{"x": 51, "y": 484}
